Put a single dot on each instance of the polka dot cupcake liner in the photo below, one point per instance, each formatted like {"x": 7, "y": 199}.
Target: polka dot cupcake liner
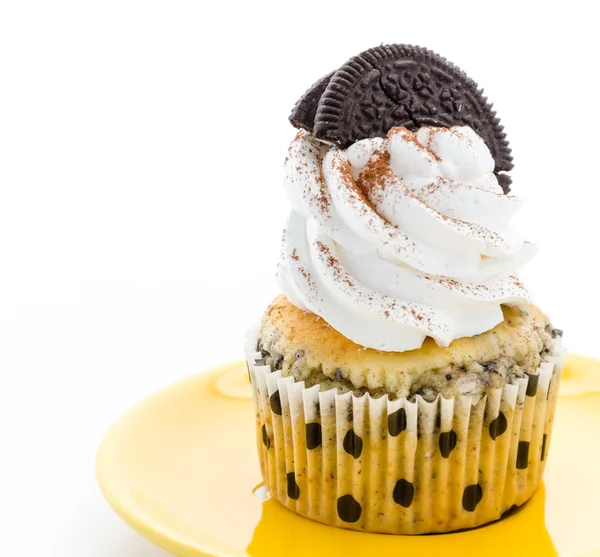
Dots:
{"x": 402, "y": 467}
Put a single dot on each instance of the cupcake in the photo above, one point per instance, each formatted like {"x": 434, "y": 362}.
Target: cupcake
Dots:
{"x": 404, "y": 383}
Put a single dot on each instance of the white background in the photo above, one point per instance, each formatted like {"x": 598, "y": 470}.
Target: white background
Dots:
{"x": 141, "y": 146}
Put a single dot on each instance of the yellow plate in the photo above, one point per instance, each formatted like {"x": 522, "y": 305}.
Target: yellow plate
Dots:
{"x": 181, "y": 469}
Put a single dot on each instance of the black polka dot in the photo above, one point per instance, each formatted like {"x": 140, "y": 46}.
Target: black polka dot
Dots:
{"x": 397, "y": 422}
{"x": 265, "y": 436}
{"x": 498, "y": 426}
{"x": 509, "y": 511}
{"x": 275, "y": 403}
{"x": 471, "y": 497}
{"x": 404, "y": 493}
{"x": 353, "y": 444}
{"x": 293, "y": 490}
{"x": 532, "y": 384}
{"x": 544, "y": 440}
{"x": 314, "y": 436}
{"x": 523, "y": 455}
{"x": 448, "y": 441}
{"x": 348, "y": 508}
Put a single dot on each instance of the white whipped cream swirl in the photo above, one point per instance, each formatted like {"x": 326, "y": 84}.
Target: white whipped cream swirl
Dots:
{"x": 399, "y": 238}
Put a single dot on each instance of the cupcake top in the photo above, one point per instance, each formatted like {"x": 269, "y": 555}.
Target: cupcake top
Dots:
{"x": 309, "y": 349}
{"x": 400, "y": 222}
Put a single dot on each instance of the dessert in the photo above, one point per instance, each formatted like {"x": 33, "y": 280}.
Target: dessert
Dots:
{"x": 404, "y": 382}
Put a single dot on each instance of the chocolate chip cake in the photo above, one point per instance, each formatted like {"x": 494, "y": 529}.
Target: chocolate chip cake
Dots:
{"x": 404, "y": 382}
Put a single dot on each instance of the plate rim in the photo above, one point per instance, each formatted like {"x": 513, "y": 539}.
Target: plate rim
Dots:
{"x": 145, "y": 526}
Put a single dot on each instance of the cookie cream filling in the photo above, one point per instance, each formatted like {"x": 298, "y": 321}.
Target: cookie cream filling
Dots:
{"x": 399, "y": 238}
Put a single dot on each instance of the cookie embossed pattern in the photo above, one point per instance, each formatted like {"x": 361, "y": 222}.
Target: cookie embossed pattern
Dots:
{"x": 403, "y": 382}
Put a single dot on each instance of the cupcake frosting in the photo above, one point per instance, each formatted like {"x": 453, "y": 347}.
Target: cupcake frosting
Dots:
{"x": 399, "y": 238}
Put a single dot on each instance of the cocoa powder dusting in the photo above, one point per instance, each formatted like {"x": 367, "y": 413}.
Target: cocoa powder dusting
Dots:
{"x": 343, "y": 168}
{"x": 339, "y": 272}
{"x": 411, "y": 137}
{"x": 375, "y": 174}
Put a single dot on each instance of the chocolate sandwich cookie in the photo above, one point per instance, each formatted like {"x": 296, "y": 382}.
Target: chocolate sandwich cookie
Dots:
{"x": 400, "y": 85}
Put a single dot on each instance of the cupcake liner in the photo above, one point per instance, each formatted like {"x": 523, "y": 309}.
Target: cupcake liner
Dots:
{"x": 400, "y": 466}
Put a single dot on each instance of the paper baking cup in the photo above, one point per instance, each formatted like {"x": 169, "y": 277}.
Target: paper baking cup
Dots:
{"x": 402, "y": 467}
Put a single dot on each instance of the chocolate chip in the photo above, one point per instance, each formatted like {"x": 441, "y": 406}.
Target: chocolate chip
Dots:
{"x": 532, "y": 384}
{"x": 509, "y": 511}
{"x": 544, "y": 440}
{"x": 314, "y": 435}
{"x": 403, "y": 494}
{"x": 447, "y": 442}
{"x": 293, "y": 491}
{"x": 278, "y": 363}
{"x": 399, "y": 85}
{"x": 353, "y": 444}
{"x": 471, "y": 497}
{"x": 523, "y": 455}
{"x": 265, "y": 437}
{"x": 448, "y": 377}
{"x": 498, "y": 426}
{"x": 397, "y": 422}
{"x": 275, "y": 401}
{"x": 348, "y": 508}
